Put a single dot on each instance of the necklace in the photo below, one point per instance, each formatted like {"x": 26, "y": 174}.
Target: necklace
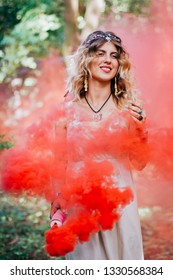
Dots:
{"x": 97, "y": 117}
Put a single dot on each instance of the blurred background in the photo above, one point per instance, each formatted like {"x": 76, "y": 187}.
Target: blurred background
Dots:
{"x": 35, "y": 39}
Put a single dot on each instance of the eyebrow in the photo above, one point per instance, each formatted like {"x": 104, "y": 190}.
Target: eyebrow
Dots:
{"x": 100, "y": 50}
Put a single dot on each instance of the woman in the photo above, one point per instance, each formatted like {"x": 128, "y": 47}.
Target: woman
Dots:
{"x": 100, "y": 92}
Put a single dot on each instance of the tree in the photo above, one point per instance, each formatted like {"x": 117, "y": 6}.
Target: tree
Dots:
{"x": 12, "y": 12}
{"x": 94, "y": 10}
{"x": 28, "y": 30}
{"x": 71, "y": 37}
{"x": 29, "y": 39}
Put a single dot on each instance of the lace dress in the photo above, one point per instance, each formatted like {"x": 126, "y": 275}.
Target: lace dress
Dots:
{"x": 124, "y": 241}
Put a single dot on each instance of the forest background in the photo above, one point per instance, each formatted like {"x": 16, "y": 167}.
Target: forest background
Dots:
{"x": 35, "y": 39}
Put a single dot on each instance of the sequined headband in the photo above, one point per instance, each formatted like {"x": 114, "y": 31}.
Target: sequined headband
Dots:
{"x": 107, "y": 36}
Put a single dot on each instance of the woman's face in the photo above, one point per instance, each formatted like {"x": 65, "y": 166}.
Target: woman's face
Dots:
{"x": 105, "y": 64}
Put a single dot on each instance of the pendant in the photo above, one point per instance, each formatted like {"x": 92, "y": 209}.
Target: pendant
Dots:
{"x": 98, "y": 117}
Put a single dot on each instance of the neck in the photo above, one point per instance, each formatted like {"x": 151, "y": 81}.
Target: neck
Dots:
{"x": 98, "y": 92}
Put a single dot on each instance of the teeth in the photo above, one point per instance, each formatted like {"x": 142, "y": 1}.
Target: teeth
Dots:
{"x": 105, "y": 68}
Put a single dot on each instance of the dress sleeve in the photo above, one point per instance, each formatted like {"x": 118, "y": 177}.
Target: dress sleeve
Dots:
{"x": 138, "y": 150}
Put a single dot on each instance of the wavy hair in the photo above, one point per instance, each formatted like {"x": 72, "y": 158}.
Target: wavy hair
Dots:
{"x": 79, "y": 67}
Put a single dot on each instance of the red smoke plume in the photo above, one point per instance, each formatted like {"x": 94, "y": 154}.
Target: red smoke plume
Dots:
{"x": 149, "y": 42}
{"x": 37, "y": 167}
{"x": 91, "y": 197}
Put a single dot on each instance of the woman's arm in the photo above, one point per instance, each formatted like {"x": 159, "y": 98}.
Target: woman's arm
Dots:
{"x": 138, "y": 152}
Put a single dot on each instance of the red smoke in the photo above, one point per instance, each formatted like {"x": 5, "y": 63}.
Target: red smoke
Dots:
{"x": 91, "y": 207}
{"x": 34, "y": 101}
{"x": 37, "y": 167}
{"x": 149, "y": 42}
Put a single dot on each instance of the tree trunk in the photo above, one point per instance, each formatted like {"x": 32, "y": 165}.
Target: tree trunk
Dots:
{"x": 93, "y": 12}
{"x": 71, "y": 36}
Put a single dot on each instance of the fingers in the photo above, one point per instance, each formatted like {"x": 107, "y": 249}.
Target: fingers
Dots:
{"x": 136, "y": 111}
{"x": 54, "y": 207}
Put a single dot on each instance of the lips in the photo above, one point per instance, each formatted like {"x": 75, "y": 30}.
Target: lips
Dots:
{"x": 106, "y": 69}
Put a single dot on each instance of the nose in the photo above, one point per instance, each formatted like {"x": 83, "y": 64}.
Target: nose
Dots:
{"x": 107, "y": 58}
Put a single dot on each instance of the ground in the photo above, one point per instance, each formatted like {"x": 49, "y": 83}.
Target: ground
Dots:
{"x": 23, "y": 221}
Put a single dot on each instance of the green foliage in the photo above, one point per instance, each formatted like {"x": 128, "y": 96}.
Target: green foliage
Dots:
{"x": 8, "y": 15}
{"x": 23, "y": 222}
{"x": 12, "y": 11}
{"x": 31, "y": 38}
{"x": 129, "y": 6}
{"x": 29, "y": 29}
{"x": 4, "y": 144}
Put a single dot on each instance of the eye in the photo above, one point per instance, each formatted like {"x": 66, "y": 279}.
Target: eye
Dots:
{"x": 100, "y": 53}
{"x": 115, "y": 55}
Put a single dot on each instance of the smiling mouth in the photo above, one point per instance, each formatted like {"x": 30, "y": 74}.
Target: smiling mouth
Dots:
{"x": 106, "y": 68}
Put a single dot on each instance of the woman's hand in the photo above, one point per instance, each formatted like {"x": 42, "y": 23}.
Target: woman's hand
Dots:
{"x": 54, "y": 207}
{"x": 136, "y": 112}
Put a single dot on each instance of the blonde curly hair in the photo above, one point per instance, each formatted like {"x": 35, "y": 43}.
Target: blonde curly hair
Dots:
{"x": 79, "y": 68}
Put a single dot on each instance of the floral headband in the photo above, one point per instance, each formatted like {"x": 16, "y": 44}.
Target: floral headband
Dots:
{"x": 107, "y": 36}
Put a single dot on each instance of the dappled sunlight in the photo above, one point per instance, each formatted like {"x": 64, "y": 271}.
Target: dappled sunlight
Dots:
{"x": 33, "y": 96}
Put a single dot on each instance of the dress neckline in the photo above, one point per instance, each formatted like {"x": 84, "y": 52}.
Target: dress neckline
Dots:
{"x": 84, "y": 114}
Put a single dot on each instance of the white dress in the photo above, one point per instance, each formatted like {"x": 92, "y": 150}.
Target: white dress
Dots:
{"x": 124, "y": 241}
